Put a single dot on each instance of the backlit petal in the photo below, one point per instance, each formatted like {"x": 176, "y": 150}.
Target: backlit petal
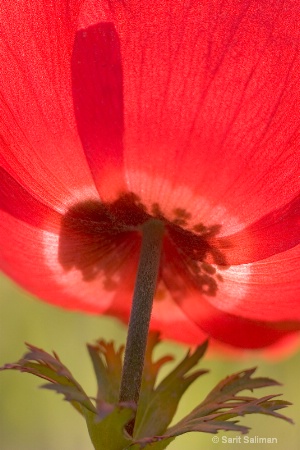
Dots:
{"x": 230, "y": 325}
{"x": 35, "y": 263}
{"x": 41, "y": 148}
{"x": 267, "y": 290}
{"x": 97, "y": 83}
{"x": 211, "y": 100}
{"x": 188, "y": 111}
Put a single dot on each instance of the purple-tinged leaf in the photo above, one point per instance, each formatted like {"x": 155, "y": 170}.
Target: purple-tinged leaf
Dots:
{"x": 107, "y": 419}
{"x": 222, "y": 405}
{"x": 50, "y": 368}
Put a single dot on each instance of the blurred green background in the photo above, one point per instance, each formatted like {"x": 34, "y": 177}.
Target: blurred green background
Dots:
{"x": 35, "y": 419}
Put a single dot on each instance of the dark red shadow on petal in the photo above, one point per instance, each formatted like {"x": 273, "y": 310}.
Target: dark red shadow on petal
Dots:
{"x": 184, "y": 256}
{"x": 97, "y": 84}
{"x": 98, "y": 238}
{"x": 19, "y": 203}
{"x": 274, "y": 233}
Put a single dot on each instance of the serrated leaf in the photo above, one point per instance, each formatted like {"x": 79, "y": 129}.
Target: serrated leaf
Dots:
{"x": 158, "y": 405}
{"x": 107, "y": 364}
{"x": 108, "y": 419}
{"x": 70, "y": 393}
{"x": 224, "y": 397}
{"x": 238, "y": 382}
{"x": 106, "y": 422}
{"x": 50, "y": 368}
{"x": 222, "y": 405}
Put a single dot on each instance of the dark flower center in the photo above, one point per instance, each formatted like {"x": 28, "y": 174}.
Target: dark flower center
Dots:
{"x": 99, "y": 237}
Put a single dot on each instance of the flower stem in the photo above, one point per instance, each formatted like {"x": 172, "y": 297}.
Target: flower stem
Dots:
{"x": 139, "y": 321}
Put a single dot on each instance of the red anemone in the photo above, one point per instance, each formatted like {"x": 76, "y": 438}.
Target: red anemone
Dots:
{"x": 112, "y": 112}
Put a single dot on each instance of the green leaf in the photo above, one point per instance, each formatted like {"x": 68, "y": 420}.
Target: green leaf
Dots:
{"x": 107, "y": 364}
{"x": 223, "y": 397}
{"x": 158, "y": 405}
{"x": 223, "y": 404}
{"x": 42, "y": 364}
{"x": 109, "y": 432}
{"x": 107, "y": 419}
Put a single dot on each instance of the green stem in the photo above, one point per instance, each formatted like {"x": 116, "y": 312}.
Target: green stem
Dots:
{"x": 139, "y": 321}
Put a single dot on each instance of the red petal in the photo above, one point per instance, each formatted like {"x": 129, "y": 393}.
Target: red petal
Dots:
{"x": 210, "y": 97}
{"x": 282, "y": 348}
{"x": 40, "y": 145}
{"x": 250, "y": 305}
{"x": 35, "y": 264}
{"x": 70, "y": 271}
{"x": 267, "y": 290}
{"x": 98, "y": 101}
{"x": 75, "y": 261}
{"x": 242, "y": 333}
{"x": 225, "y": 327}
{"x": 273, "y": 233}
{"x": 17, "y": 202}
{"x": 211, "y": 111}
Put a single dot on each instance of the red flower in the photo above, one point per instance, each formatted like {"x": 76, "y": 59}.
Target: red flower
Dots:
{"x": 183, "y": 110}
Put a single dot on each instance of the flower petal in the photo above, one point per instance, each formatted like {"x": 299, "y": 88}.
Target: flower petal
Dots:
{"x": 17, "y": 202}
{"x": 68, "y": 270}
{"x": 40, "y": 145}
{"x": 247, "y": 306}
{"x": 268, "y": 290}
{"x": 200, "y": 119}
{"x": 273, "y": 233}
{"x": 97, "y": 82}
{"x": 35, "y": 265}
{"x": 226, "y": 327}
{"x": 73, "y": 260}
{"x": 211, "y": 100}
